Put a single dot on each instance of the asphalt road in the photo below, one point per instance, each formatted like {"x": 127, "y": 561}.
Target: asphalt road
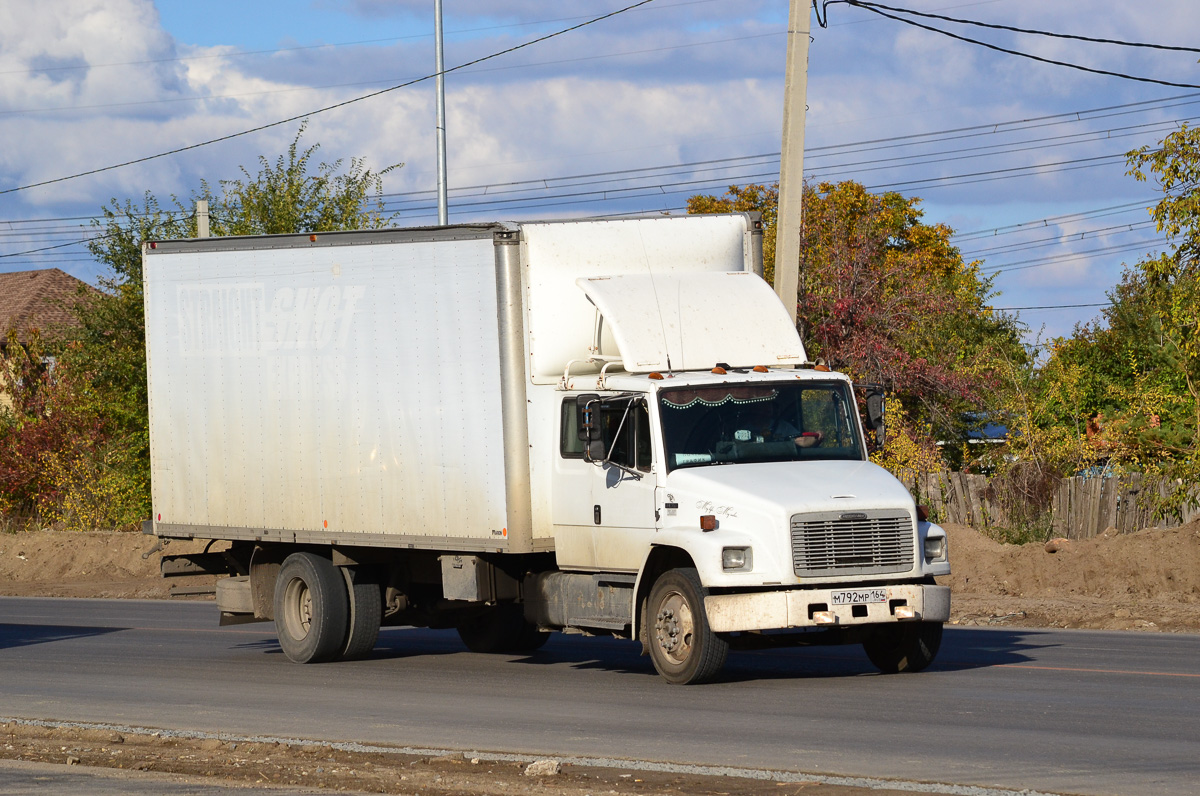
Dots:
{"x": 1060, "y": 711}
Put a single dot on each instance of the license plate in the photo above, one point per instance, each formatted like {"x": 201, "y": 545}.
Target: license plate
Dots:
{"x": 859, "y": 596}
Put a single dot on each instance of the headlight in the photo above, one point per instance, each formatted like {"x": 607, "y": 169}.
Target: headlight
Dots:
{"x": 935, "y": 548}
{"x": 734, "y": 558}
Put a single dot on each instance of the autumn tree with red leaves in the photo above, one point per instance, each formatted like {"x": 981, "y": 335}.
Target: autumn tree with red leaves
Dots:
{"x": 888, "y": 299}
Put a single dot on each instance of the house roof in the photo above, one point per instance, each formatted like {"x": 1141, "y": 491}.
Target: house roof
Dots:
{"x": 36, "y": 300}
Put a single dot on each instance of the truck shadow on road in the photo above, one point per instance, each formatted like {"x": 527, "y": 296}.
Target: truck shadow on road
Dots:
{"x": 962, "y": 649}
{"x": 27, "y": 635}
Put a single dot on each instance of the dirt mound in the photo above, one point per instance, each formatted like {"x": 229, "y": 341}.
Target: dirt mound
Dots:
{"x": 94, "y": 564}
{"x": 1147, "y": 580}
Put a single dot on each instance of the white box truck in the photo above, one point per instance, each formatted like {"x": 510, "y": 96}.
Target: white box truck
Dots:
{"x": 606, "y": 427}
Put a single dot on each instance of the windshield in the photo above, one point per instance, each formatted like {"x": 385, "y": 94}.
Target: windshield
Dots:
{"x": 759, "y": 423}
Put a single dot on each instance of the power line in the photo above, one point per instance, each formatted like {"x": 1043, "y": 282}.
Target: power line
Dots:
{"x": 995, "y": 26}
{"x": 1050, "y": 307}
{"x": 1058, "y": 259}
{"x": 500, "y": 189}
{"x": 684, "y": 186}
{"x": 1045, "y": 222}
{"x": 331, "y": 107}
{"x": 990, "y": 176}
{"x": 1057, "y": 239}
{"x": 951, "y": 155}
{"x": 997, "y": 48}
{"x": 994, "y": 127}
{"x": 56, "y": 246}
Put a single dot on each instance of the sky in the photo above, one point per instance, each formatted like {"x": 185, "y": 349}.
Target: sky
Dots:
{"x": 1024, "y": 160}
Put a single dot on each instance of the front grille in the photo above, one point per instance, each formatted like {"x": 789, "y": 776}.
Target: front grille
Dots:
{"x": 851, "y": 543}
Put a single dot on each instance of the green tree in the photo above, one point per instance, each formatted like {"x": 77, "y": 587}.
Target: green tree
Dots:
{"x": 1125, "y": 389}
{"x": 105, "y": 356}
{"x": 1169, "y": 285}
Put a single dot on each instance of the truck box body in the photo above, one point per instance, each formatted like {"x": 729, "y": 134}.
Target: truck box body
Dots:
{"x": 314, "y": 392}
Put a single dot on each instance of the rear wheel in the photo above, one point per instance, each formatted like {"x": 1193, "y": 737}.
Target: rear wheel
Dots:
{"x": 366, "y": 612}
{"x": 501, "y": 628}
{"x": 907, "y": 647}
{"x": 311, "y": 608}
{"x": 683, "y": 647}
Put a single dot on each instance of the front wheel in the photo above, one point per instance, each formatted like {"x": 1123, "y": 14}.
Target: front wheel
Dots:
{"x": 683, "y": 647}
{"x": 907, "y": 647}
{"x": 311, "y": 608}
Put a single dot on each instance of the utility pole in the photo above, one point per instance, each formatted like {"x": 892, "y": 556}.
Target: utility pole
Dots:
{"x": 791, "y": 164}
{"x": 443, "y": 212}
{"x": 201, "y": 218}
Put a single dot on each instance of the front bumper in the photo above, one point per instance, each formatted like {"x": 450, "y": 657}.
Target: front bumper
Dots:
{"x": 777, "y": 610}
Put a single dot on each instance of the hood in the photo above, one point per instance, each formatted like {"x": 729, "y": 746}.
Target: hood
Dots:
{"x": 793, "y": 487}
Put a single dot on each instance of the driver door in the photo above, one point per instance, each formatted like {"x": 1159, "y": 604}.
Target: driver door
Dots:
{"x": 623, "y": 488}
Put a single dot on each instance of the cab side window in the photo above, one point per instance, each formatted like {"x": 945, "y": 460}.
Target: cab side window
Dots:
{"x": 641, "y": 438}
{"x": 569, "y": 444}
{"x": 627, "y": 443}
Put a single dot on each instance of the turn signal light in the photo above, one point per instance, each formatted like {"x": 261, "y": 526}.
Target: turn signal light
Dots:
{"x": 922, "y": 513}
{"x": 906, "y": 612}
{"x": 708, "y": 522}
{"x": 824, "y": 618}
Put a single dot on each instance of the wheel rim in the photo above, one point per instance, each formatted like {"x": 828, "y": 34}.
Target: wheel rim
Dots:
{"x": 299, "y": 608}
{"x": 675, "y": 627}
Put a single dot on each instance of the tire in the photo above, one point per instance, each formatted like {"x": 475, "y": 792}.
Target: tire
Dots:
{"x": 682, "y": 646}
{"x": 908, "y": 647}
{"x": 366, "y": 612}
{"x": 312, "y": 609}
{"x": 501, "y": 629}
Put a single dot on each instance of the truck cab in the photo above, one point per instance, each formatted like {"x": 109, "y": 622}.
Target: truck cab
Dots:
{"x": 752, "y": 489}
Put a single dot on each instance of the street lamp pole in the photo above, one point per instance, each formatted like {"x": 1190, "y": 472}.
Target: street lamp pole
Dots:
{"x": 443, "y": 212}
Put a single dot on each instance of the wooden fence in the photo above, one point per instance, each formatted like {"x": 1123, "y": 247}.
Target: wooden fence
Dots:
{"x": 1081, "y": 507}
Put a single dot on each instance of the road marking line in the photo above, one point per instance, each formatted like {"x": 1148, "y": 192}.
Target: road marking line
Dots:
{"x": 1094, "y": 671}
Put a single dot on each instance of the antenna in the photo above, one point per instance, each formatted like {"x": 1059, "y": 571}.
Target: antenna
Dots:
{"x": 654, "y": 287}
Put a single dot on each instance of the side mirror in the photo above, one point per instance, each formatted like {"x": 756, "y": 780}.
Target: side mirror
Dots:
{"x": 587, "y": 420}
{"x": 875, "y": 410}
